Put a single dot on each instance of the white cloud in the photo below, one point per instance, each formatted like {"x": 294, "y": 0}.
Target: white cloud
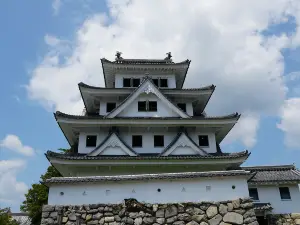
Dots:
{"x": 13, "y": 142}
{"x": 222, "y": 38}
{"x": 11, "y": 190}
{"x": 56, "y": 5}
{"x": 51, "y": 40}
{"x": 290, "y": 122}
{"x": 245, "y": 131}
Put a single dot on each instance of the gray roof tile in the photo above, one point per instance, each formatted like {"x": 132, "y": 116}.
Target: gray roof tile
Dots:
{"x": 218, "y": 156}
{"x": 270, "y": 174}
{"x": 145, "y": 61}
{"x": 210, "y": 87}
{"x": 64, "y": 115}
{"x": 162, "y": 176}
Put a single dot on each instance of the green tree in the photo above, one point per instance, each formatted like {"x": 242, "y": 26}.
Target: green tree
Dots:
{"x": 37, "y": 196}
{"x": 5, "y": 218}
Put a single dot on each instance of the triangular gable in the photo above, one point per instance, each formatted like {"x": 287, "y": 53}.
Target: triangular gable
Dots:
{"x": 183, "y": 145}
{"x": 147, "y": 87}
{"x": 112, "y": 145}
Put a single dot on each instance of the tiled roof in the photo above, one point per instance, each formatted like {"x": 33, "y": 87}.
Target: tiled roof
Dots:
{"x": 162, "y": 176}
{"x": 145, "y": 61}
{"x": 108, "y": 136}
{"x": 262, "y": 206}
{"x": 219, "y": 156}
{"x": 230, "y": 116}
{"x": 205, "y": 88}
{"x": 274, "y": 174}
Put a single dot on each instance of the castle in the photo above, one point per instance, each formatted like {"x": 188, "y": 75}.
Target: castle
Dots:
{"x": 144, "y": 136}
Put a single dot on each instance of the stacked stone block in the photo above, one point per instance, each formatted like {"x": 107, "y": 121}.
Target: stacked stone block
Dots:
{"x": 238, "y": 212}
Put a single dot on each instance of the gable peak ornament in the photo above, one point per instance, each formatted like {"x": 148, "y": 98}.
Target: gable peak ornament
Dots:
{"x": 169, "y": 56}
{"x": 148, "y": 90}
{"x": 118, "y": 55}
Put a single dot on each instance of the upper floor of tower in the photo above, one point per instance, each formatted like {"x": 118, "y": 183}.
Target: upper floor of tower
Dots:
{"x": 129, "y": 73}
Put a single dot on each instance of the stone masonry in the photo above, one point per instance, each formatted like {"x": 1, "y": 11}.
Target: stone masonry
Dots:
{"x": 238, "y": 212}
{"x": 284, "y": 219}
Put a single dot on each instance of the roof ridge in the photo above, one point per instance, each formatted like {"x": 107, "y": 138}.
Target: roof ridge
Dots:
{"x": 145, "y": 61}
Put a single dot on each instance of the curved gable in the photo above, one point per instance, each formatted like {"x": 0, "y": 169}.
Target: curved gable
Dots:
{"x": 147, "y": 87}
{"x": 183, "y": 145}
{"x": 112, "y": 145}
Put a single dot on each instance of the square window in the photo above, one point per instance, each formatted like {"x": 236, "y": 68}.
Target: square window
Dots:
{"x": 284, "y": 193}
{"x": 91, "y": 140}
{"x": 110, "y": 106}
{"x": 253, "y": 193}
{"x": 126, "y": 82}
{"x": 142, "y": 106}
{"x": 152, "y": 106}
{"x": 159, "y": 141}
{"x": 155, "y": 81}
{"x": 135, "y": 82}
{"x": 137, "y": 141}
{"x": 163, "y": 82}
{"x": 203, "y": 141}
{"x": 182, "y": 106}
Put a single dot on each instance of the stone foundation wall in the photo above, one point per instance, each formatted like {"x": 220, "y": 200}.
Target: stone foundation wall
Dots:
{"x": 239, "y": 211}
{"x": 284, "y": 219}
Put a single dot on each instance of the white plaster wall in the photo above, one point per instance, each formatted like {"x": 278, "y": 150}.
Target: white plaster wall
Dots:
{"x": 189, "y": 106}
{"x": 113, "y": 151}
{"x": 103, "y": 105}
{"x": 271, "y": 194}
{"x": 171, "y": 191}
{"x": 119, "y": 79}
{"x": 183, "y": 150}
{"x": 101, "y": 134}
{"x": 148, "y": 139}
{"x": 163, "y": 110}
{"x": 211, "y": 138}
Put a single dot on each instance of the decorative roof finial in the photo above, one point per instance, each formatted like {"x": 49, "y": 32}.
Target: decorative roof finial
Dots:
{"x": 169, "y": 56}
{"x": 118, "y": 55}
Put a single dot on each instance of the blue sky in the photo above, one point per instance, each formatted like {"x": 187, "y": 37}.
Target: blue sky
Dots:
{"x": 47, "y": 47}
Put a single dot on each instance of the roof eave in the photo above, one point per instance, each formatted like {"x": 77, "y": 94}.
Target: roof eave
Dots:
{"x": 213, "y": 87}
{"x": 189, "y": 62}
{"x": 83, "y": 99}
{"x": 279, "y": 182}
{"x": 52, "y": 156}
{"x": 56, "y": 119}
{"x": 103, "y": 70}
{"x": 142, "y": 177}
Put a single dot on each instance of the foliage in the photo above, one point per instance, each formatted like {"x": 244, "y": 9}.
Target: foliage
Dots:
{"x": 5, "y": 218}
{"x": 37, "y": 196}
